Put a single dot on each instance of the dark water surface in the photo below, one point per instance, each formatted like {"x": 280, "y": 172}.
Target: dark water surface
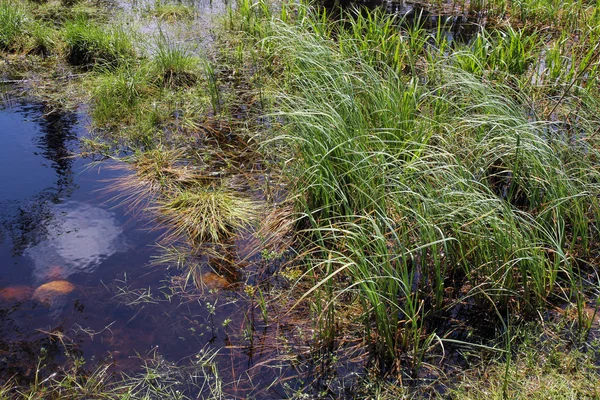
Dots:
{"x": 57, "y": 223}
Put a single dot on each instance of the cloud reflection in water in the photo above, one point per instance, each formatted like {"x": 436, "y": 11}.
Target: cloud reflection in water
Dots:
{"x": 80, "y": 237}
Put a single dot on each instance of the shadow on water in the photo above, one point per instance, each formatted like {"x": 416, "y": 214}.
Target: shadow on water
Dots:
{"x": 53, "y": 146}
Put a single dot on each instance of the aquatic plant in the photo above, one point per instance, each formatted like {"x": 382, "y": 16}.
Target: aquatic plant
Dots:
{"x": 169, "y": 11}
{"x": 207, "y": 214}
{"x": 408, "y": 186}
{"x": 157, "y": 378}
{"x": 117, "y": 93}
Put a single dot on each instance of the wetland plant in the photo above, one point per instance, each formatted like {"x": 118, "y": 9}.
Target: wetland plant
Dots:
{"x": 118, "y": 92}
{"x": 207, "y": 214}
{"x": 171, "y": 11}
{"x": 13, "y": 22}
{"x": 90, "y": 44}
{"x": 173, "y": 64}
{"x": 415, "y": 189}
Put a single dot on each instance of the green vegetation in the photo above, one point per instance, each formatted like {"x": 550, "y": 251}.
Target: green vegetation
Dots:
{"x": 157, "y": 379}
{"x": 171, "y": 11}
{"x": 12, "y": 21}
{"x": 89, "y": 44}
{"x": 173, "y": 64}
{"x": 430, "y": 181}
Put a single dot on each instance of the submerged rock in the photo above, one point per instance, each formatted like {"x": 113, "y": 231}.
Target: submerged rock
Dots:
{"x": 53, "y": 293}
{"x": 15, "y": 293}
{"x": 214, "y": 281}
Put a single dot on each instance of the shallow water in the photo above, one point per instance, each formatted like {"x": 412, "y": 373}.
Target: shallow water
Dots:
{"x": 59, "y": 223}
{"x": 56, "y": 223}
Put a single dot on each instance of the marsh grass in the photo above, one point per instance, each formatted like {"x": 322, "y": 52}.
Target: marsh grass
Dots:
{"x": 415, "y": 188}
{"x": 118, "y": 93}
{"x": 209, "y": 214}
{"x": 171, "y": 11}
{"x": 544, "y": 353}
{"x": 89, "y": 44}
{"x": 157, "y": 378}
{"x": 43, "y": 39}
{"x": 21, "y": 32}
{"x": 174, "y": 64}
{"x": 13, "y": 22}
{"x": 427, "y": 176}
{"x": 56, "y": 13}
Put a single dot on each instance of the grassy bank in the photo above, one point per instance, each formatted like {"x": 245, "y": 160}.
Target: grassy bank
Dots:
{"x": 439, "y": 210}
{"x": 437, "y": 181}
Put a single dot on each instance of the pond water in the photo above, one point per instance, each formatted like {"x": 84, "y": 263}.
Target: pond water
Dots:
{"x": 58, "y": 224}
{"x": 75, "y": 272}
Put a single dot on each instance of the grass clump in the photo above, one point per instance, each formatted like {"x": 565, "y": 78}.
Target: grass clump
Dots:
{"x": 168, "y": 11}
{"x": 13, "y": 21}
{"x": 90, "y": 44}
{"x": 165, "y": 170}
{"x": 118, "y": 93}
{"x": 43, "y": 38}
{"x": 173, "y": 64}
{"x": 207, "y": 214}
{"x": 21, "y": 32}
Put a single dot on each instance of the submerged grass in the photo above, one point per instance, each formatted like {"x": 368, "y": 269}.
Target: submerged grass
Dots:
{"x": 156, "y": 379}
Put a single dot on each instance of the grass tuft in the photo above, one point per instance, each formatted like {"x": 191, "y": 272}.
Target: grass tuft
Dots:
{"x": 207, "y": 214}
{"x": 168, "y": 11}
{"x": 92, "y": 45}
{"x": 173, "y": 64}
{"x": 13, "y": 21}
{"x": 117, "y": 94}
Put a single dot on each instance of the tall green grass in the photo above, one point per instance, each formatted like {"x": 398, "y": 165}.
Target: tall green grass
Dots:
{"x": 417, "y": 189}
{"x": 12, "y": 24}
{"x": 89, "y": 44}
